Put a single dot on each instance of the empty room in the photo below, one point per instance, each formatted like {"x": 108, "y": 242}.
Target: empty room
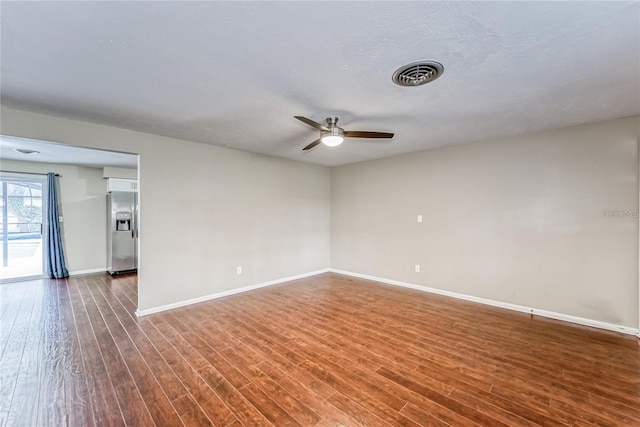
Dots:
{"x": 319, "y": 213}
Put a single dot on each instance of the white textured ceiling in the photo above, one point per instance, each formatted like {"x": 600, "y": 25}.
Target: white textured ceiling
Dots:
{"x": 47, "y": 152}
{"x": 235, "y": 73}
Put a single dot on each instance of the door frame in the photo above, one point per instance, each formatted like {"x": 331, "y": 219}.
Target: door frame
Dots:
{"x": 31, "y": 177}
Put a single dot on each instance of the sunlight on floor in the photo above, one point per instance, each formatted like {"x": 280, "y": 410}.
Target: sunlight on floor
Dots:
{"x": 24, "y": 259}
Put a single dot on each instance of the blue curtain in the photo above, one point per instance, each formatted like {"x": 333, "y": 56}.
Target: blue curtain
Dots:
{"x": 55, "y": 265}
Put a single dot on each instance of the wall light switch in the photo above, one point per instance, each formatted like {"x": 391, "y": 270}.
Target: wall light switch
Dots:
{"x": 238, "y": 270}
{"x": 60, "y": 219}
{"x": 417, "y": 268}
{"x": 419, "y": 218}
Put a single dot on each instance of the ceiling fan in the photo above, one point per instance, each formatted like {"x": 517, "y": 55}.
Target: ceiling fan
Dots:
{"x": 332, "y": 135}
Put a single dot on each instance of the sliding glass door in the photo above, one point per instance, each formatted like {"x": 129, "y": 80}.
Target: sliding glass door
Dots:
{"x": 21, "y": 199}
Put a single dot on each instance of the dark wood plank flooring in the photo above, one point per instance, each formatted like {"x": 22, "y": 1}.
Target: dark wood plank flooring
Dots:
{"x": 324, "y": 351}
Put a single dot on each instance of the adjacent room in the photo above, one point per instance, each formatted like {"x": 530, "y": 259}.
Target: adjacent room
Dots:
{"x": 84, "y": 180}
{"x": 320, "y": 213}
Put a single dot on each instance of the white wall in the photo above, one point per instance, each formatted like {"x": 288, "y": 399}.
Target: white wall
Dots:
{"x": 82, "y": 202}
{"x": 519, "y": 220}
{"x": 113, "y": 172}
{"x": 205, "y": 210}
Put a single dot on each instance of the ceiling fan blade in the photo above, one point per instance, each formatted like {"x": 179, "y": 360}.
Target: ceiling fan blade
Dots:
{"x": 363, "y": 134}
{"x": 312, "y": 123}
{"x": 313, "y": 144}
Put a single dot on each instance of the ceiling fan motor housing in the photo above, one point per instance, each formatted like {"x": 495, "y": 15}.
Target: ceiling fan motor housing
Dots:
{"x": 332, "y": 121}
{"x": 334, "y": 136}
{"x": 334, "y": 130}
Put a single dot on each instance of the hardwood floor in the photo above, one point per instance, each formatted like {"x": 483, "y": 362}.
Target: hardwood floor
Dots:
{"x": 329, "y": 350}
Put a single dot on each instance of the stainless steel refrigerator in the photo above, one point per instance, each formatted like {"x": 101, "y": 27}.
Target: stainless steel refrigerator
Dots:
{"x": 122, "y": 232}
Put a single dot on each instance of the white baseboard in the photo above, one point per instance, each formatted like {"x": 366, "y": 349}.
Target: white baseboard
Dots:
{"x": 204, "y": 298}
{"x": 508, "y": 306}
{"x": 90, "y": 271}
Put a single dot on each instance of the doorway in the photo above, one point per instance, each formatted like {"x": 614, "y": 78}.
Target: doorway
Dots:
{"x": 22, "y": 200}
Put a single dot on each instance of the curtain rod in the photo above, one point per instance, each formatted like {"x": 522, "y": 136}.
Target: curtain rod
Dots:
{"x": 29, "y": 173}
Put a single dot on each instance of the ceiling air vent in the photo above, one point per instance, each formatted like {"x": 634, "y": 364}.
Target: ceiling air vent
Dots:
{"x": 418, "y": 73}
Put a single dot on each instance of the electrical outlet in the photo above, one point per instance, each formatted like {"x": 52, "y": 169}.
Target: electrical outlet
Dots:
{"x": 417, "y": 268}
{"x": 419, "y": 218}
{"x": 238, "y": 270}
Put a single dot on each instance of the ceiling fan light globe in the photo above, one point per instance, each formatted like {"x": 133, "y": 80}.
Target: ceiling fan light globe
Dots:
{"x": 332, "y": 140}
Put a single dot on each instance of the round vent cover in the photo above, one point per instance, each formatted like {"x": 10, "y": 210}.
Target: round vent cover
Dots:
{"x": 418, "y": 73}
